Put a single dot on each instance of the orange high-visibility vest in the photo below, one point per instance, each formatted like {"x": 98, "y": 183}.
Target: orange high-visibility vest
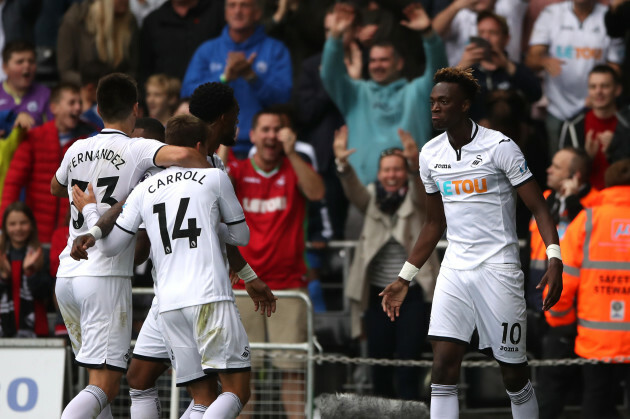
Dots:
{"x": 538, "y": 256}
{"x": 596, "y": 256}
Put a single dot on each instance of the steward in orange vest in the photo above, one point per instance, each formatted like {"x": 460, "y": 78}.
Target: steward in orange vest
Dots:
{"x": 596, "y": 293}
{"x": 567, "y": 176}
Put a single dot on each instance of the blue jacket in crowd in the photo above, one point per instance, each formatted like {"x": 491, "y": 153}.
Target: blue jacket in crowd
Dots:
{"x": 374, "y": 112}
{"x": 272, "y": 66}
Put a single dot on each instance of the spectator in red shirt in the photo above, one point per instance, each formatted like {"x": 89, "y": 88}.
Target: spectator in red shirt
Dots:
{"x": 38, "y": 156}
{"x": 273, "y": 187}
{"x": 593, "y": 129}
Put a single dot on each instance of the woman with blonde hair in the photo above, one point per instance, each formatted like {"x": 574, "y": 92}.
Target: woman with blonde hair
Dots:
{"x": 97, "y": 31}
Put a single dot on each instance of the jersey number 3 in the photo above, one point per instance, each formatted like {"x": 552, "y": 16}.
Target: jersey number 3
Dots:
{"x": 192, "y": 232}
{"x": 109, "y": 182}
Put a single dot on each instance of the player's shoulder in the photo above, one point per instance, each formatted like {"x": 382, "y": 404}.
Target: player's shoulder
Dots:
{"x": 493, "y": 139}
{"x": 556, "y": 9}
{"x": 435, "y": 145}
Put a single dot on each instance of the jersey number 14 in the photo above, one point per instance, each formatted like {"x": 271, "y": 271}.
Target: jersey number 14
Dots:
{"x": 192, "y": 232}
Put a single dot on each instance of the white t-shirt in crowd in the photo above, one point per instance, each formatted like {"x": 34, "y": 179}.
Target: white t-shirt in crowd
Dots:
{"x": 464, "y": 25}
{"x": 113, "y": 163}
{"x": 477, "y": 186}
{"x": 581, "y": 45}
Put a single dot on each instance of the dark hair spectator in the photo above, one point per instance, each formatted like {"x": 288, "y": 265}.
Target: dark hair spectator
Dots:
{"x": 171, "y": 34}
{"x": 20, "y": 93}
{"x": 374, "y": 110}
{"x": 559, "y": 35}
{"x": 39, "y": 155}
{"x": 593, "y": 129}
{"x": 23, "y": 273}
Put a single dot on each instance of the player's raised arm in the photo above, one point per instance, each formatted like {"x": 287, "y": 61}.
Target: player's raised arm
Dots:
{"x": 394, "y": 294}
{"x": 532, "y": 197}
{"x": 171, "y": 155}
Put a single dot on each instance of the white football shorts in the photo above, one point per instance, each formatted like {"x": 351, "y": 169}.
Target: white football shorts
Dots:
{"x": 490, "y": 298}
{"x": 150, "y": 345}
{"x": 207, "y": 338}
{"x": 97, "y": 314}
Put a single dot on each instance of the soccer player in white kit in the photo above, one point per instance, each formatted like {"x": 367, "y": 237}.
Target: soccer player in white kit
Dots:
{"x": 470, "y": 174}
{"x": 182, "y": 211}
{"x": 94, "y": 296}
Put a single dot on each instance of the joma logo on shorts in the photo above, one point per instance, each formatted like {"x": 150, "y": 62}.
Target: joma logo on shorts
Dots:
{"x": 508, "y": 349}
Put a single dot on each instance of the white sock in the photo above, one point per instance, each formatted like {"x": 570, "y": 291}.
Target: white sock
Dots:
{"x": 524, "y": 403}
{"x": 106, "y": 413}
{"x": 145, "y": 404}
{"x": 444, "y": 402}
{"x": 186, "y": 414}
{"x": 198, "y": 411}
{"x": 227, "y": 405}
{"x": 87, "y": 404}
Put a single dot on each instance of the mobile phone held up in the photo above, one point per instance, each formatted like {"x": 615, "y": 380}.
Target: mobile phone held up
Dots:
{"x": 483, "y": 43}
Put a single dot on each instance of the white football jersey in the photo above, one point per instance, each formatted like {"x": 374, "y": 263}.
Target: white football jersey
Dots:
{"x": 113, "y": 163}
{"x": 181, "y": 210}
{"x": 581, "y": 46}
{"x": 477, "y": 186}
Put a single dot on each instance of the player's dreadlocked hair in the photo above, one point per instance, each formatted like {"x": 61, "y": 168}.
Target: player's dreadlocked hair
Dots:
{"x": 463, "y": 78}
{"x": 211, "y": 100}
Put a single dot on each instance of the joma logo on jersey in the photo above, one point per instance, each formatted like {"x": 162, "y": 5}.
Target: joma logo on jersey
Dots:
{"x": 460, "y": 187}
{"x": 442, "y": 166}
{"x": 621, "y": 230}
{"x": 263, "y": 206}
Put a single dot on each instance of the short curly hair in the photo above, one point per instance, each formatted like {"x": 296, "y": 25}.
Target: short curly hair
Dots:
{"x": 462, "y": 77}
{"x": 211, "y": 100}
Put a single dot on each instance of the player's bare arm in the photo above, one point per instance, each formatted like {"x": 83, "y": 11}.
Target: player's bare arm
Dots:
{"x": 171, "y": 155}
{"x": 143, "y": 248}
{"x": 394, "y": 294}
{"x": 532, "y": 197}
{"x": 259, "y": 292}
{"x": 105, "y": 223}
{"x": 309, "y": 181}
{"x": 57, "y": 189}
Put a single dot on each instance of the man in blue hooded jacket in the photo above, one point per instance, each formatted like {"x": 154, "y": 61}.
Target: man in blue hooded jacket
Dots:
{"x": 257, "y": 67}
{"x": 375, "y": 109}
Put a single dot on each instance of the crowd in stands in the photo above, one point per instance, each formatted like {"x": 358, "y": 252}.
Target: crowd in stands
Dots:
{"x": 334, "y": 99}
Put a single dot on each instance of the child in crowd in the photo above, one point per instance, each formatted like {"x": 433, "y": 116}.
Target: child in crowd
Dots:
{"x": 19, "y": 93}
{"x": 25, "y": 283}
{"x": 162, "y": 96}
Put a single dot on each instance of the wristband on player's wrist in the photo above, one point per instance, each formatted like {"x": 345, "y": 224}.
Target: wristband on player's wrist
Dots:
{"x": 96, "y": 232}
{"x": 247, "y": 274}
{"x": 553, "y": 251}
{"x": 408, "y": 272}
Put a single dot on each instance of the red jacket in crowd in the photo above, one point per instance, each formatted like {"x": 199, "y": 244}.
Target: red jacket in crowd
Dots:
{"x": 33, "y": 165}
